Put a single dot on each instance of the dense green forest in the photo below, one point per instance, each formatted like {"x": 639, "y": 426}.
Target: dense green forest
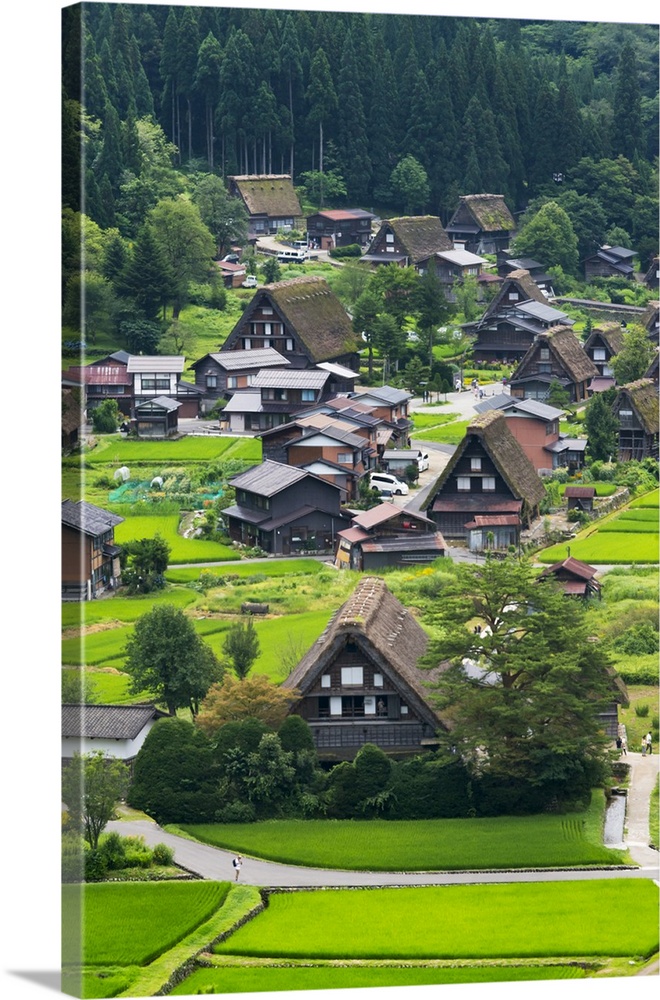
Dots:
{"x": 171, "y": 100}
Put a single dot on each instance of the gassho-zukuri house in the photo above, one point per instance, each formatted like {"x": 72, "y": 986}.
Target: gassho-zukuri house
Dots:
{"x": 360, "y": 683}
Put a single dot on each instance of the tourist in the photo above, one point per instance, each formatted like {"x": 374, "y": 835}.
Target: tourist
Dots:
{"x": 238, "y": 864}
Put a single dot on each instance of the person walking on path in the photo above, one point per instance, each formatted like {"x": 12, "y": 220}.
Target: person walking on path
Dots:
{"x": 238, "y": 864}
{"x": 648, "y": 739}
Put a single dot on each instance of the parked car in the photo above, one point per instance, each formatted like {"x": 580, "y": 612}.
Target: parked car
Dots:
{"x": 422, "y": 461}
{"x": 287, "y": 255}
{"x": 231, "y": 258}
{"x": 385, "y": 481}
{"x": 250, "y": 282}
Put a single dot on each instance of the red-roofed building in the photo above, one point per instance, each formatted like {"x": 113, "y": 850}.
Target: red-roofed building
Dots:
{"x": 576, "y": 578}
{"x": 338, "y": 228}
{"x": 386, "y": 535}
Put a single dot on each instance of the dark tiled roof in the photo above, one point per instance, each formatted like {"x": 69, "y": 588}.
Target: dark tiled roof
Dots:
{"x": 268, "y": 478}
{"x": 113, "y": 722}
{"x": 580, "y": 492}
{"x": 297, "y": 378}
{"x": 574, "y": 566}
{"x": 163, "y": 402}
{"x": 88, "y": 518}
{"x": 263, "y": 357}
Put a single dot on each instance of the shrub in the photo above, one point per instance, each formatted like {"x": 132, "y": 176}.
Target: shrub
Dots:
{"x": 641, "y": 711}
{"x": 95, "y": 866}
{"x": 352, "y": 250}
{"x": 163, "y": 855}
{"x": 638, "y": 640}
{"x": 236, "y": 812}
{"x": 295, "y": 734}
{"x": 113, "y": 849}
{"x": 73, "y": 853}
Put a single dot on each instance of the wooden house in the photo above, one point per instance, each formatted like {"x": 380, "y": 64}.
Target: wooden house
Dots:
{"x": 160, "y": 376}
{"x": 488, "y": 490}
{"x": 650, "y": 320}
{"x": 302, "y": 319}
{"x": 385, "y": 536}
{"x": 360, "y": 683}
{"x": 90, "y": 558}
{"x": 274, "y": 397}
{"x": 534, "y": 425}
{"x": 636, "y": 408}
{"x": 452, "y": 267}
{"x": 576, "y": 578}
{"x": 116, "y": 730}
{"x": 340, "y": 227}
{"x": 218, "y": 376}
{"x": 233, "y": 275}
{"x": 652, "y": 276}
{"x": 270, "y": 201}
{"x": 652, "y": 370}
{"x": 284, "y": 510}
{"x": 72, "y": 417}
{"x": 555, "y": 356}
{"x": 604, "y": 341}
{"x": 516, "y": 315}
{"x": 156, "y": 418}
{"x": 482, "y": 223}
{"x": 107, "y": 378}
{"x": 610, "y": 262}
{"x": 580, "y": 497}
{"x": 407, "y": 241}
{"x": 392, "y": 406}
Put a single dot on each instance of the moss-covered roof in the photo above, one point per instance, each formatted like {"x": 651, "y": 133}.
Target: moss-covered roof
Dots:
{"x": 567, "y": 350}
{"x": 506, "y": 453}
{"x": 611, "y": 333}
{"x": 421, "y": 235}
{"x": 643, "y": 395}
{"x": 315, "y": 314}
{"x": 489, "y": 211}
{"x": 268, "y": 194}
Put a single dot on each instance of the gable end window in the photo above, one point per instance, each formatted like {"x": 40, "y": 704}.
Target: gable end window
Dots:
{"x": 351, "y": 676}
{"x": 463, "y": 483}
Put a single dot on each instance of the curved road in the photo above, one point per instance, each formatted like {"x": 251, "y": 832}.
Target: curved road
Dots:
{"x": 214, "y": 863}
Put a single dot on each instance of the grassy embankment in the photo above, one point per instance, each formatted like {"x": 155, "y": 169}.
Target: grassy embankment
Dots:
{"x": 543, "y": 841}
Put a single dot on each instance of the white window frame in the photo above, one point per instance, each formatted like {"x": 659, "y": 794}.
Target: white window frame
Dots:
{"x": 352, "y": 676}
{"x": 488, "y": 484}
{"x": 335, "y": 706}
{"x": 370, "y": 704}
{"x": 475, "y": 465}
{"x": 378, "y": 680}
{"x": 463, "y": 484}
{"x": 326, "y": 681}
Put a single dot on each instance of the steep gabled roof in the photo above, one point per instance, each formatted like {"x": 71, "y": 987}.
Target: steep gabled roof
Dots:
{"x": 520, "y": 281}
{"x": 374, "y": 618}
{"x": 313, "y": 312}
{"x": 268, "y": 194}
{"x": 611, "y": 333}
{"x": 88, "y": 518}
{"x": 643, "y": 396}
{"x": 650, "y": 316}
{"x": 421, "y": 235}
{"x": 489, "y": 211}
{"x": 568, "y": 351}
{"x": 506, "y": 453}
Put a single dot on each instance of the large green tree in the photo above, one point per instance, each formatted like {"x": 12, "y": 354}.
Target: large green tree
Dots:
{"x": 550, "y": 238}
{"x": 186, "y": 244}
{"x": 410, "y": 185}
{"x": 166, "y": 656}
{"x": 92, "y": 784}
{"x": 601, "y": 426}
{"x": 635, "y": 356}
{"x": 225, "y": 217}
{"x": 241, "y": 645}
{"x": 524, "y": 691}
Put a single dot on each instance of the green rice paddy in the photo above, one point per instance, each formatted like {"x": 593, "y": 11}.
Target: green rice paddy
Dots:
{"x": 115, "y": 450}
{"x": 525, "y": 920}
{"x": 182, "y": 550}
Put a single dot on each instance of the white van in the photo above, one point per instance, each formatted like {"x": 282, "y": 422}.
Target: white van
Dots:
{"x": 386, "y": 482}
{"x": 422, "y": 461}
{"x": 287, "y": 255}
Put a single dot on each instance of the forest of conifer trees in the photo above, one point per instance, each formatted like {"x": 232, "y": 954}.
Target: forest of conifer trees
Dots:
{"x": 498, "y": 105}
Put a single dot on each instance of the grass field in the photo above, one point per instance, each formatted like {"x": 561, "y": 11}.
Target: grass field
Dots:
{"x": 542, "y": 841}
{"x": 119, "y": 926}
{"x": 252, "y": 567}
{"x": 114, "y": 449}
{"x": 451, "y": 433}
{"x": 638, "y": 726}
{"x": 526, "y": 920}
{"x": 255, "y": 979}
{"x": 183, "y": 550}
{"x": 607, "y": 547}
{"x": 123, "y": 609}
{"x": 651, "y": 499}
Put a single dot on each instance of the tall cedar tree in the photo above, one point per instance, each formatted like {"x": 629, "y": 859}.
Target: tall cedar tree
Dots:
{"x": 242, "y": 647}
{"x": 147, "y": 276}
{"x": 524, "y": 694}
{"x": 627, "y": 132}
{"x": 354, "y": 160}
{"x": 322, "y": 99}
{"x": 166, "y": 657}
{"x": 602, "y": 427}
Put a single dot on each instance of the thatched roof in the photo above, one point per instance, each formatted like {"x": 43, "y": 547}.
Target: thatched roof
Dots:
{"x": 376, "y": 620}
{"x": 520, "y": 281}
{"x": 489, "y": 211}
{"x": 421, "y": 235}
{"x": 506, "y": 453}
{"x": 650, "y": 316}
{"x": 268, "y": 194}
{"x": 610, "y": 333}
{"x": 643, "y": 395}
{"x": 314, "y": 312}
{"x": 72, "y": 415}
{"x": 567, "y": 350}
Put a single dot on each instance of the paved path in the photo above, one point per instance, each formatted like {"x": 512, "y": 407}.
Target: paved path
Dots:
{"x": 643, "y": 775}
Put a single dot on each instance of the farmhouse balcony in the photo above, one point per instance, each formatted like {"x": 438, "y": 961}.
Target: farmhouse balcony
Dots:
{"x": 392, "y": 735}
